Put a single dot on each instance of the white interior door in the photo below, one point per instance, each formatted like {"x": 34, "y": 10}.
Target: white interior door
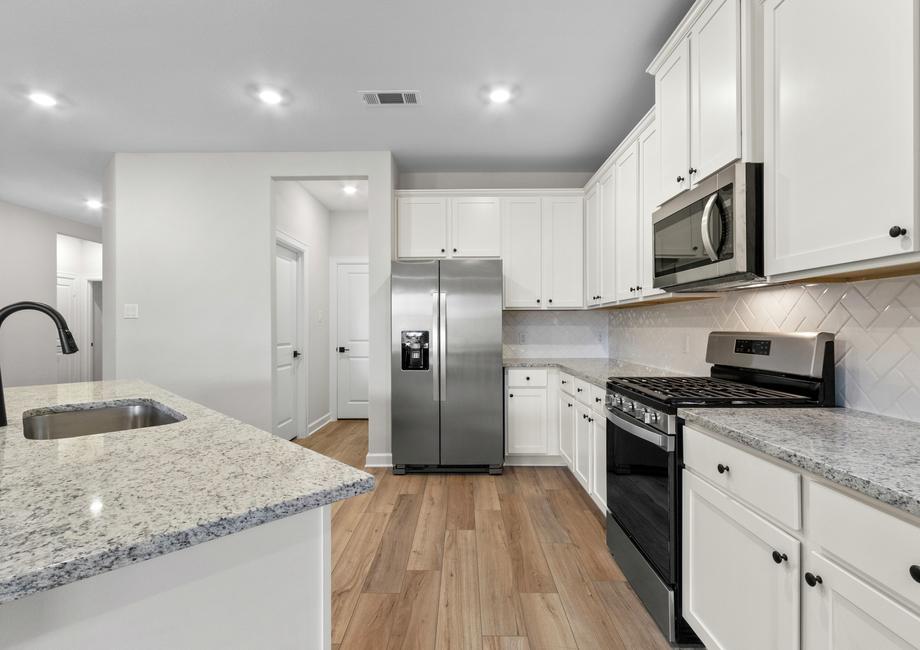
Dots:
{"x": 352, "y": 325}
{"x": 68, "y": 365}
{"x": 287, "y": 399}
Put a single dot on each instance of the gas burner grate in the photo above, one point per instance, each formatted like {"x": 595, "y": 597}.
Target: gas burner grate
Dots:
{"x": 705, "y": 391}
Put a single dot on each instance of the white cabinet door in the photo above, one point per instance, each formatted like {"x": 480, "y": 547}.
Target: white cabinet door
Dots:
{"x": 715, "y": 55}
{"x": 735, "y": 594}
{"x": 672, "y": 116}
{"x": 567, "y": 429}
{"x": 626, "y": 168}
{"x": 526, "y": 429}
{"x": 649, "y": 170}
{"x": 843, "y": 612}
{"x": 581, "y": 467}
{"x": 522, "y": 245}
{"x": 475, "y": 227}
{"x": 563, "y": 252}
{"x": 593, "y": 254}
{"x": 840, "y": 132}
{"x": 599, "y": 461}
{"x": 421, "y": 227}
{"x": 608, "y": 237}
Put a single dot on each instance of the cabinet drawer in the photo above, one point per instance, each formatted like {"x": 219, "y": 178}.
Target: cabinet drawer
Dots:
{"x": 773, "y": 489}
{"x": 878, "y": 544}
{"x": 524, "y": 377}
{"x": 567, "y": 383}
{"x": 583, "y": 391}
{"x": 598, "y": 395}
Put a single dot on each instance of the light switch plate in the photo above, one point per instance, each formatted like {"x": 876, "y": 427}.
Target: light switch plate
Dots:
{"x": 131, "y": 311}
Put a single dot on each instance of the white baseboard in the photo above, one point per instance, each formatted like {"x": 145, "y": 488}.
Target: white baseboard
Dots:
{"x": 318, "y": 424}
{"x": 534, "y": 460}
{"x": 379, "y": 460}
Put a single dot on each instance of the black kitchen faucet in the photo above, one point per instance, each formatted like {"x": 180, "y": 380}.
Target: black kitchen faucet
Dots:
{"x": 68, "y": 345}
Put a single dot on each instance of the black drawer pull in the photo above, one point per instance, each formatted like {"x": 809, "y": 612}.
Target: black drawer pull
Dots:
{"x": 915, "y": 572}
{"x": 779, "y": 558}
{"x": 812, "y": 579}
{"x": 722, "y": 468}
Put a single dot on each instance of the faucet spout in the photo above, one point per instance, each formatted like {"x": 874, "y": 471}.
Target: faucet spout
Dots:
{"x": 68, "y": 345}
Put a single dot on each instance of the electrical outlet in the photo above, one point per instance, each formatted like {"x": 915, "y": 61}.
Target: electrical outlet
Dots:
{"x": 522, "y": 338}
{"x": 131, "y": 311}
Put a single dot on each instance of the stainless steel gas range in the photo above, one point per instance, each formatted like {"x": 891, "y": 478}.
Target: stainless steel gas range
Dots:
{"x": 645, "y": 455}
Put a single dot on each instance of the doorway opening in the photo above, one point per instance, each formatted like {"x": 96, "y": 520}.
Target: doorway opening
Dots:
{"x": 329, "y": 218}
{"x": 79, "y": 299}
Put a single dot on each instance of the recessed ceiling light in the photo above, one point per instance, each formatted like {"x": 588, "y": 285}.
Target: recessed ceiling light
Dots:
{"x": 350, "y": 190}
{"x": 43, "y": 99}
{"x": 270, "y": 96}
{"x": 93, "y": 204}
{"x": 500, "y": 95}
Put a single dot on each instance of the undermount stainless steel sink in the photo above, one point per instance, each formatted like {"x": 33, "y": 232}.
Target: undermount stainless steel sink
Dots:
{"x": 75, "y": 420}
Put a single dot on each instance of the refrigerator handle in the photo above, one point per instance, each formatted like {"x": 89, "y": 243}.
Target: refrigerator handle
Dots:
{"x": 435, "y": 352}
{"x": 442, "y": 345}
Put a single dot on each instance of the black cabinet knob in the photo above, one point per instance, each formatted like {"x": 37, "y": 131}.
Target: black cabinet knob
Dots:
{"x": 590, "y": 419}
{"x": 722, "y": 468}
{"x": 538, "y": 301}
{"x": 680, "y": 179}
{"x": 296, "y": 353}
{"x": 812, "y": 579}
{"x": 692, "y": 170}
{"x": 578, "y": 390}
{"x": 569, "y": 405}
{"x": 584, "y": 417}
{"x": 564, "y": 381}
{"x": 638, "y": 288}
{"x": 915, "y": 572}
{"x": 442, "y": 250}
{"x": 779, "y": 558}
{"x": 550, "y": 301}
{"x": 510, "y": 394}
{"x": 527, "y": 378}
{"x": 897, "y": 231}
{"x": 597, "y": 399}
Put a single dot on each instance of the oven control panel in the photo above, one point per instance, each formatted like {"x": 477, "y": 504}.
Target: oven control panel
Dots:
{"x": 647, "y": 415}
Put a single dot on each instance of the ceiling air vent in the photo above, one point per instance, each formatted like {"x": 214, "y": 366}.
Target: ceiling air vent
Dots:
{"x": 389, "y": 97}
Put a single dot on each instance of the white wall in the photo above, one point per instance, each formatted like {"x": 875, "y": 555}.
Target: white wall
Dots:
{"x": 877, "y": 324}
{"x": 348, "y": 236}
{"x": 301, "y": 216}
{"x": 491, "y": 180}
{"x": 28, "y": 271}
{"x": 190, "y": 239}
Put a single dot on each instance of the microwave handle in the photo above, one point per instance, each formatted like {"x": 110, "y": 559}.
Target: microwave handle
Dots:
{"x": 704, "y": 227}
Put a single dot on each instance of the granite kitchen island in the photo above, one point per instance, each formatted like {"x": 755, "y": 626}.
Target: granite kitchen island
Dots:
{"x": 206, "y": 532}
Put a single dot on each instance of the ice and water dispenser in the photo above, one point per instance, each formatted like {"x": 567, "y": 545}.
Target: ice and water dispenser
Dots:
{"x": 415, "y": 350}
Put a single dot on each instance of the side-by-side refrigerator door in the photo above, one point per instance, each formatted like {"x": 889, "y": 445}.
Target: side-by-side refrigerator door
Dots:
{"x": 471, "y": 362}
{"x": 415, "y": 387}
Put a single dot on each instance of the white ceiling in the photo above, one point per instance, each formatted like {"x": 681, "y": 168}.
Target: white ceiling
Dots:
{"x": 330, "y": 194}
{"x": 176, "y": 75}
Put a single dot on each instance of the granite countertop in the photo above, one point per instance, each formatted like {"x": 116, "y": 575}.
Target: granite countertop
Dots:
{"x": 77, "y": 507}
{"x": 593, "y": 370}
{"x": 873, "y": 454}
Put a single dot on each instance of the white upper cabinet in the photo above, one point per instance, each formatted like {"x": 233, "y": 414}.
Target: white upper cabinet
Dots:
{"x": 672, "y": 111}
{"x": 648, "y": 202}
{"x": 421, "y": 227}
{"x": 593, "y": 245}
{"x": 522, "y": 245}
{"x": 840, "y": 132}
{"x": 626, "y": 170}
{"x": 608, "y": 270}
{"x": 715, "y": 63}
{"x": 563, "y": 252}
{"x": 698, "y": 98}
{"x": 475, "y": 227}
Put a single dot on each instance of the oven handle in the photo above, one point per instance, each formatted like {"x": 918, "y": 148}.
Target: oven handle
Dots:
{"x": 660, "y": 440}
{"x": 704, "y": 227}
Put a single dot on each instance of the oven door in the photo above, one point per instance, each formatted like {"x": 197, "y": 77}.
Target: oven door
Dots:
{"x": 642, "y": 490}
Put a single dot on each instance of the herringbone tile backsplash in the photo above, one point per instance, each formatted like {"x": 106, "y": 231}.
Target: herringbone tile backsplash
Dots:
{"x": 877, "y": 324}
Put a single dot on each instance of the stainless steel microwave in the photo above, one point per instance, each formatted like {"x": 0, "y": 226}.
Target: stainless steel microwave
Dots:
{"x": 711, "y": 237}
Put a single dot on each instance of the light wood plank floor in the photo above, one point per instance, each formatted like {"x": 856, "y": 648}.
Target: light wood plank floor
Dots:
{"x": 511, "y": 562}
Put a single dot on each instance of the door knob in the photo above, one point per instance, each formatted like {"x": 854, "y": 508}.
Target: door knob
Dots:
{"x": 296, "y": 354}
{"x": 343, "y": 349}
{"x": 897, "y": 231}
{"x": 813, "y": 579}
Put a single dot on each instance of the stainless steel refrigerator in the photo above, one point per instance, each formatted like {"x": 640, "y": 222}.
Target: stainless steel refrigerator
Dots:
{"x": 447, "y": 366}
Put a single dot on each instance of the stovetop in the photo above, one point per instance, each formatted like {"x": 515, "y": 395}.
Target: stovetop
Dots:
{"x": 702, "y": 391}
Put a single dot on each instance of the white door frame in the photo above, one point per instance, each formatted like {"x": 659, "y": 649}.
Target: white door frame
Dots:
{"x": 88, "y": 322}
{"x": 334, "y": 263}
{"x": 303, "y": 335}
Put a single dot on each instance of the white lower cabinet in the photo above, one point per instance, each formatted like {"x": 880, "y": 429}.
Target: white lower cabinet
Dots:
{"x": 843, "y": 611}
{"x": 567, "y": 428}
{"x": 736, "y": 596}
{"x": 526, "y": 430}
{"x": 581, "y": 467}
